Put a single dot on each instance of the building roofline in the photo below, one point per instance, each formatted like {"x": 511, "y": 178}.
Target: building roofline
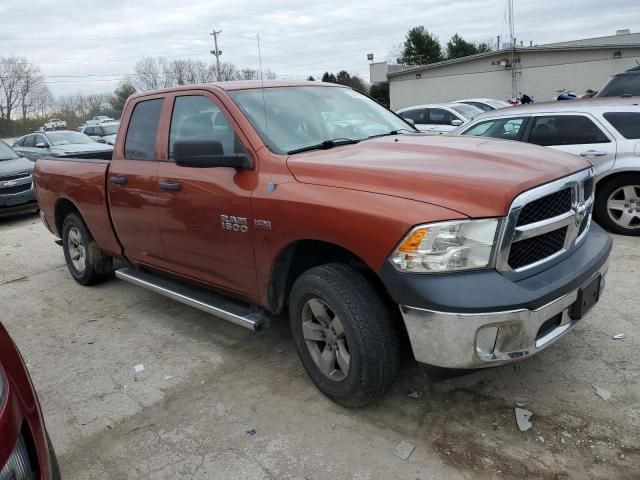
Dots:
{"x": 504, "y": 51}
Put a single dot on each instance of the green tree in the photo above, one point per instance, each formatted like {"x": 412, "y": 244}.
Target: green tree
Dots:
{"x": 457, "y": 47}
{"x": 380, "y": 92}
{"x": 311, "y": 79}
{"x": 420, "y": 48}
{"x": 329, "y": 77}
{"x": 121, "y": 94}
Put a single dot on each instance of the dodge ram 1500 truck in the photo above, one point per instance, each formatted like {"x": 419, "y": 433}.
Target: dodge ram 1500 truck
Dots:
{"x": 246, "y": 199}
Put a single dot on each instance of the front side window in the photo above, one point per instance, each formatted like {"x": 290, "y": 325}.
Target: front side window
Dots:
{"x": 565, "y": 130}
{"x": 293, "y": 118}
{"x": 197, "y": 118}
{"x": 109, "y": 129}
{"x": 626, "y": 84}
{"x": 30, "y": 141}
{"x": 439, "y": 116}
{"x": 416, "y": 114}
{"x": 89, "y": 131}
{"x": 40, "y": 140}
{"x": 626, "y": 123}
{"x": 140, "y": 143}
{"x": 506, "y": 128}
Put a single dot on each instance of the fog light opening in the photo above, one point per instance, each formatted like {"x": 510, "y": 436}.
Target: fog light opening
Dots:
{"x": 486, "y": 342}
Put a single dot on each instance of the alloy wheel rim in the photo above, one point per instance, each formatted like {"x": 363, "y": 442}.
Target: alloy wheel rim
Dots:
{"x": 77, "y": 251}
{"x": 623, "y": 206}
{"x": 325, "y": 339}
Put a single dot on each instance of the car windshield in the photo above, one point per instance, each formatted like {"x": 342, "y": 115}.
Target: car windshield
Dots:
{"x": 7, "y": 153}
{"x": 294, "y": 118}
{"x": 68, "y": 138}
{"x": 627, "y": 84}
{"x": 467, "y": 111}
{"x": 110, "y": 129}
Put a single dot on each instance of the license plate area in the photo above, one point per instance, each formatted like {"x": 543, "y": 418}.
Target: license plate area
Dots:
{"x": 588, "y": 296}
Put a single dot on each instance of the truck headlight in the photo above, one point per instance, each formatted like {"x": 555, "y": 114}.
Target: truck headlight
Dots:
{"x": 447, "y": 246}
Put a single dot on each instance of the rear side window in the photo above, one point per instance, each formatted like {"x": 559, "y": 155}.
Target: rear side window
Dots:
{"x": 625, "y": 84}
{"x": 506, "y": 128}
{"x": 565, "y": 130}
{"x": 417, "y": 115}
{"x": 481, "y": 106}
{"x": 140, "y": 143}
{"x": 626, "y": 123}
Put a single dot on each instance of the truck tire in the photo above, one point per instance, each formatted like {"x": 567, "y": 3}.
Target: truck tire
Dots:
{"x": 344, "y": 334}
{"x": 617, "y": 206}
{"x": 86, "y": 262}
{"x": 53, "y": 460}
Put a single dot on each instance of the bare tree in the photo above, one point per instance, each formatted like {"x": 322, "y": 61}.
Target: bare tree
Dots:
{"x": 12, "y": 74}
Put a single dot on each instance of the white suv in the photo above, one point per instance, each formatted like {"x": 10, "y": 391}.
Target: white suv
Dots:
{"x": 605, "y": 131}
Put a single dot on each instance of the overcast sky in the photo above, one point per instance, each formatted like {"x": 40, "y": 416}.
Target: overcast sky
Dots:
{"x": 88, "y": 46}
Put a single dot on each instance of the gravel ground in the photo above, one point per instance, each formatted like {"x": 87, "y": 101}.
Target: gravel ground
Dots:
{"x": 207, "y": 385}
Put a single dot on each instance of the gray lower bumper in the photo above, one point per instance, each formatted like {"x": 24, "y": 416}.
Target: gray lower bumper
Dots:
{"x": 468, "y": 340}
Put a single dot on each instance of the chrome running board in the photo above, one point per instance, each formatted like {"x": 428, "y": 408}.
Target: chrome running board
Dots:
{"x": 233, "y": 311}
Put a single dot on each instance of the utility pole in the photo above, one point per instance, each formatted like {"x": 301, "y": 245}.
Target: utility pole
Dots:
{"x": 512, "y": 38}
{"x": 216, "y": 52}
{"x": 498, "y": 42}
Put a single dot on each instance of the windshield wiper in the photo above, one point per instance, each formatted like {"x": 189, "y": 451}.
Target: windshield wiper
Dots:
{"x": 392, "y": 132}
{"x": 336, "y": 142}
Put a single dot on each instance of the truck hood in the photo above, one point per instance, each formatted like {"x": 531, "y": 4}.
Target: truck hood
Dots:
{"x": 15, "y": 166}
{"x": 80, "y": 148}
{"x": 475, "y": 176}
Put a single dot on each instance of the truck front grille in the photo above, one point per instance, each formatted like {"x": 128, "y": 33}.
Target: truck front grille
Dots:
{"x": 18, "y": 466}
{"x": 546, "y": 222}
{"x": 546, "y": 207}
{"x": 534, "y": 249}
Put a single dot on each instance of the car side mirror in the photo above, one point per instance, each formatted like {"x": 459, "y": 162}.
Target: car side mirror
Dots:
{"x": 41, "y": 145}
{"x": 208, "y": 154}
{"x": 456, "y": 122}
{"x": 410, "y": 121}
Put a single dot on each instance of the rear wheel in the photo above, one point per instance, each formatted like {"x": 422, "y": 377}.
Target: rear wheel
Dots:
{"x": 86, "y": 262}
{"x": 344, "y": 334}
{"x": 618, "y": 204}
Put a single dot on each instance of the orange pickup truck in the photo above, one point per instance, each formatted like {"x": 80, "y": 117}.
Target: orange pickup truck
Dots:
{"x": 246, "y": 199}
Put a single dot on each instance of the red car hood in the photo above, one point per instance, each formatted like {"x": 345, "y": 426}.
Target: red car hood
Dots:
{"x": 475, "y": 176}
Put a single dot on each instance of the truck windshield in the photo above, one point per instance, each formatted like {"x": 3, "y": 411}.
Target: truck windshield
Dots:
{"x": 68, "y": 138}
{"x": 297, "y": 118}
{"x": 6, "y": 152}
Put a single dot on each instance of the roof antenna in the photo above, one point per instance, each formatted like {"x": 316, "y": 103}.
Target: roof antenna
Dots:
{"x": 271, "y": 186}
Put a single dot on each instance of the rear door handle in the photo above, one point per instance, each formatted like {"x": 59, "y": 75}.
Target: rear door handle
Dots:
{"x": 593, "y": 153}
{"x": 171, "y": 186}
{"x": 118, "y": 180}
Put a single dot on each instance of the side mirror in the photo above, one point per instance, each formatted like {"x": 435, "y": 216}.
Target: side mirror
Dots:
{"x": 456, "y": 122}
{"x": 208, "y": 154}
{"x": 410, "y": 121}
{"x": 41, "y": 145}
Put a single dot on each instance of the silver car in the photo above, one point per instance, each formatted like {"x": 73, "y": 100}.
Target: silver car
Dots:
{"x": 60, "y": 143}
{"x": 485, "y": 104}
{"x": 439, "y": 118}
{"x": 103, "y": 133}
{"x": 605, "y": 131}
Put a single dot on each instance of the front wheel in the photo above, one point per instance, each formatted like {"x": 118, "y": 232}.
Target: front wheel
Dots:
{"x": 86, "y": 262}
{"x": 344, "y": 334}
{"x": 618, "y": 204}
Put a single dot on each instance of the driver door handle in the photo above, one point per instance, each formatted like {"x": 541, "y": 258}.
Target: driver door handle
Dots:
{"x": 593, "y": 153}
{"x": 118, "y": 180}
{"x": 171, "y": 186}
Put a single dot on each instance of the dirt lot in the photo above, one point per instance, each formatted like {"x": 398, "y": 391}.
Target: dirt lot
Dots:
{"x": 206, "y": 383}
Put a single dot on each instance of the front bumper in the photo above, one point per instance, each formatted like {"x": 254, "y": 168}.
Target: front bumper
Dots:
{"x": 451, "y": 322}
{"x": 19, "y": 203}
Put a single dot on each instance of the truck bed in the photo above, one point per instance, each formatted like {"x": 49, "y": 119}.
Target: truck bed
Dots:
{"x": 76, "y": 183}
